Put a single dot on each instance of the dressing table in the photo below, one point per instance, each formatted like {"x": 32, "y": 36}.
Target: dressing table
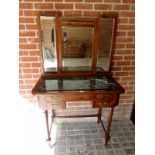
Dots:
{"x": 76, "y": 61}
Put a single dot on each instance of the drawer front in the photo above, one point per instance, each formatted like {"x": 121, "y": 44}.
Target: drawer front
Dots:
{"x": 105, "y": 97}
{"x": 69, "y": 97}
{"x": 105, "y": 100}
{"x": 101, "y": 104}
{"x": 55, "y": 105}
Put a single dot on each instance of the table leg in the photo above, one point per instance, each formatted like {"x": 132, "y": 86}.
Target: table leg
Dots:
{"x": 109, "y": 125}
{"x": 47, "y": 125}
{"x": 52, "y": 116}
{"x": 99, "y": 115}
{"x": 100, "y": 120}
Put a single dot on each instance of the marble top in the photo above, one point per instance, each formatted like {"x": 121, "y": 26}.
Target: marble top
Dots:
{"x": 79, "y": 84}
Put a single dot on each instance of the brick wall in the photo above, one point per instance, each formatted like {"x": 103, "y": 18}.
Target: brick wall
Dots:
{"x": 30, "y": 62}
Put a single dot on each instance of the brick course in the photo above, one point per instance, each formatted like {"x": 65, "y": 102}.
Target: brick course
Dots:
{"x": 30, "y": 58}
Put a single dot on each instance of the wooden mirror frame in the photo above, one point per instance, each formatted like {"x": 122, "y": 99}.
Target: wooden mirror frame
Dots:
{"x": 107, "y": 15}
{"x": 91, "y": 22}
{"x": 95, "y": 45}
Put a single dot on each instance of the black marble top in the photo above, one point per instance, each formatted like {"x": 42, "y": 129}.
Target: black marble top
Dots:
{"x": 79, "y": 84}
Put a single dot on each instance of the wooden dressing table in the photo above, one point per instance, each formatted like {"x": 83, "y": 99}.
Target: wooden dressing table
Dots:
{"x": 65, "y": 80}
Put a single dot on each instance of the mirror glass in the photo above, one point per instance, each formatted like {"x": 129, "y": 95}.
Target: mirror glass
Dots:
{"x": 105, "y": 44}
{"x": 48, "y": 37}
{"x": 77, "y": 48}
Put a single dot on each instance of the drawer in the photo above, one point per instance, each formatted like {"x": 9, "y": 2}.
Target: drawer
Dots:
{"x": 105, "y": 97}
{"x": 69, "y": 97}
{"x": 55, "y": 105}
{"x": 101, "y": 104}
{"x": 105, "y": 100}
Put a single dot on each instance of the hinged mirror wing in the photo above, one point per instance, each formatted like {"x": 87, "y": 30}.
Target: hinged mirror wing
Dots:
{"x": 48, "y": 24}
{"x": 106, "y": 40}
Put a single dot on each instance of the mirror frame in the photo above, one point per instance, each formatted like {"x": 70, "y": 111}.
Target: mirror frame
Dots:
{"x": 95, "y": 43}
{"x": 55, "y": 14}
{"x": 113, "y": 15}
{"x": 94, "y": 39}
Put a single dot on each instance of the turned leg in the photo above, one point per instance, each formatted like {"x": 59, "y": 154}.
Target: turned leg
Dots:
{"x": 109, "y": 125}
{"x": 47, "y": 125}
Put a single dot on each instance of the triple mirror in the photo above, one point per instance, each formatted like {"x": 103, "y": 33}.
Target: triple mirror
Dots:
{"x": 77, "y": 44}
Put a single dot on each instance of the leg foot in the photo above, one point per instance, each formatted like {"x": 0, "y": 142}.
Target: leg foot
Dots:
{"x": 107, "y": 139}
{"x": 48, "y": 139}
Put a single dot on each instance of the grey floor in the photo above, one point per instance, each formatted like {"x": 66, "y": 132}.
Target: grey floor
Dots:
{"x": 87, "y": 138}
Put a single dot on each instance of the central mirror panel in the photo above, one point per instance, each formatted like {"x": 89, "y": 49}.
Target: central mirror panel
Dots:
{"x": 77, "y": 48}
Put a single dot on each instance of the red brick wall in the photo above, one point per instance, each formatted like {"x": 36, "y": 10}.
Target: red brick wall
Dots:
{"x": 30, "y": 60}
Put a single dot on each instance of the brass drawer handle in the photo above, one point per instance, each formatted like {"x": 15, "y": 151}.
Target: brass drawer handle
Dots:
{"x": 53, "y": 97}
{"x": 54, "y": 105}
{"x": 101, "y": 104}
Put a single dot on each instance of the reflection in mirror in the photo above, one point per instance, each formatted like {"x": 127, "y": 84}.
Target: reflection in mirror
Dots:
{"x": 49, "y": 43}
{"x": 77, "y": 48}
{"x": 105, "y": 45}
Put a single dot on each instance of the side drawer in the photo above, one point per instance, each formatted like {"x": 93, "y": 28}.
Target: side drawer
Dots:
{"x": 101, "y": 104}
{"x": 45, "y": 104}
{"x": 105, "y": 97}
{"x": 55, "y": 105}
{"x": 105, "y": 100}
